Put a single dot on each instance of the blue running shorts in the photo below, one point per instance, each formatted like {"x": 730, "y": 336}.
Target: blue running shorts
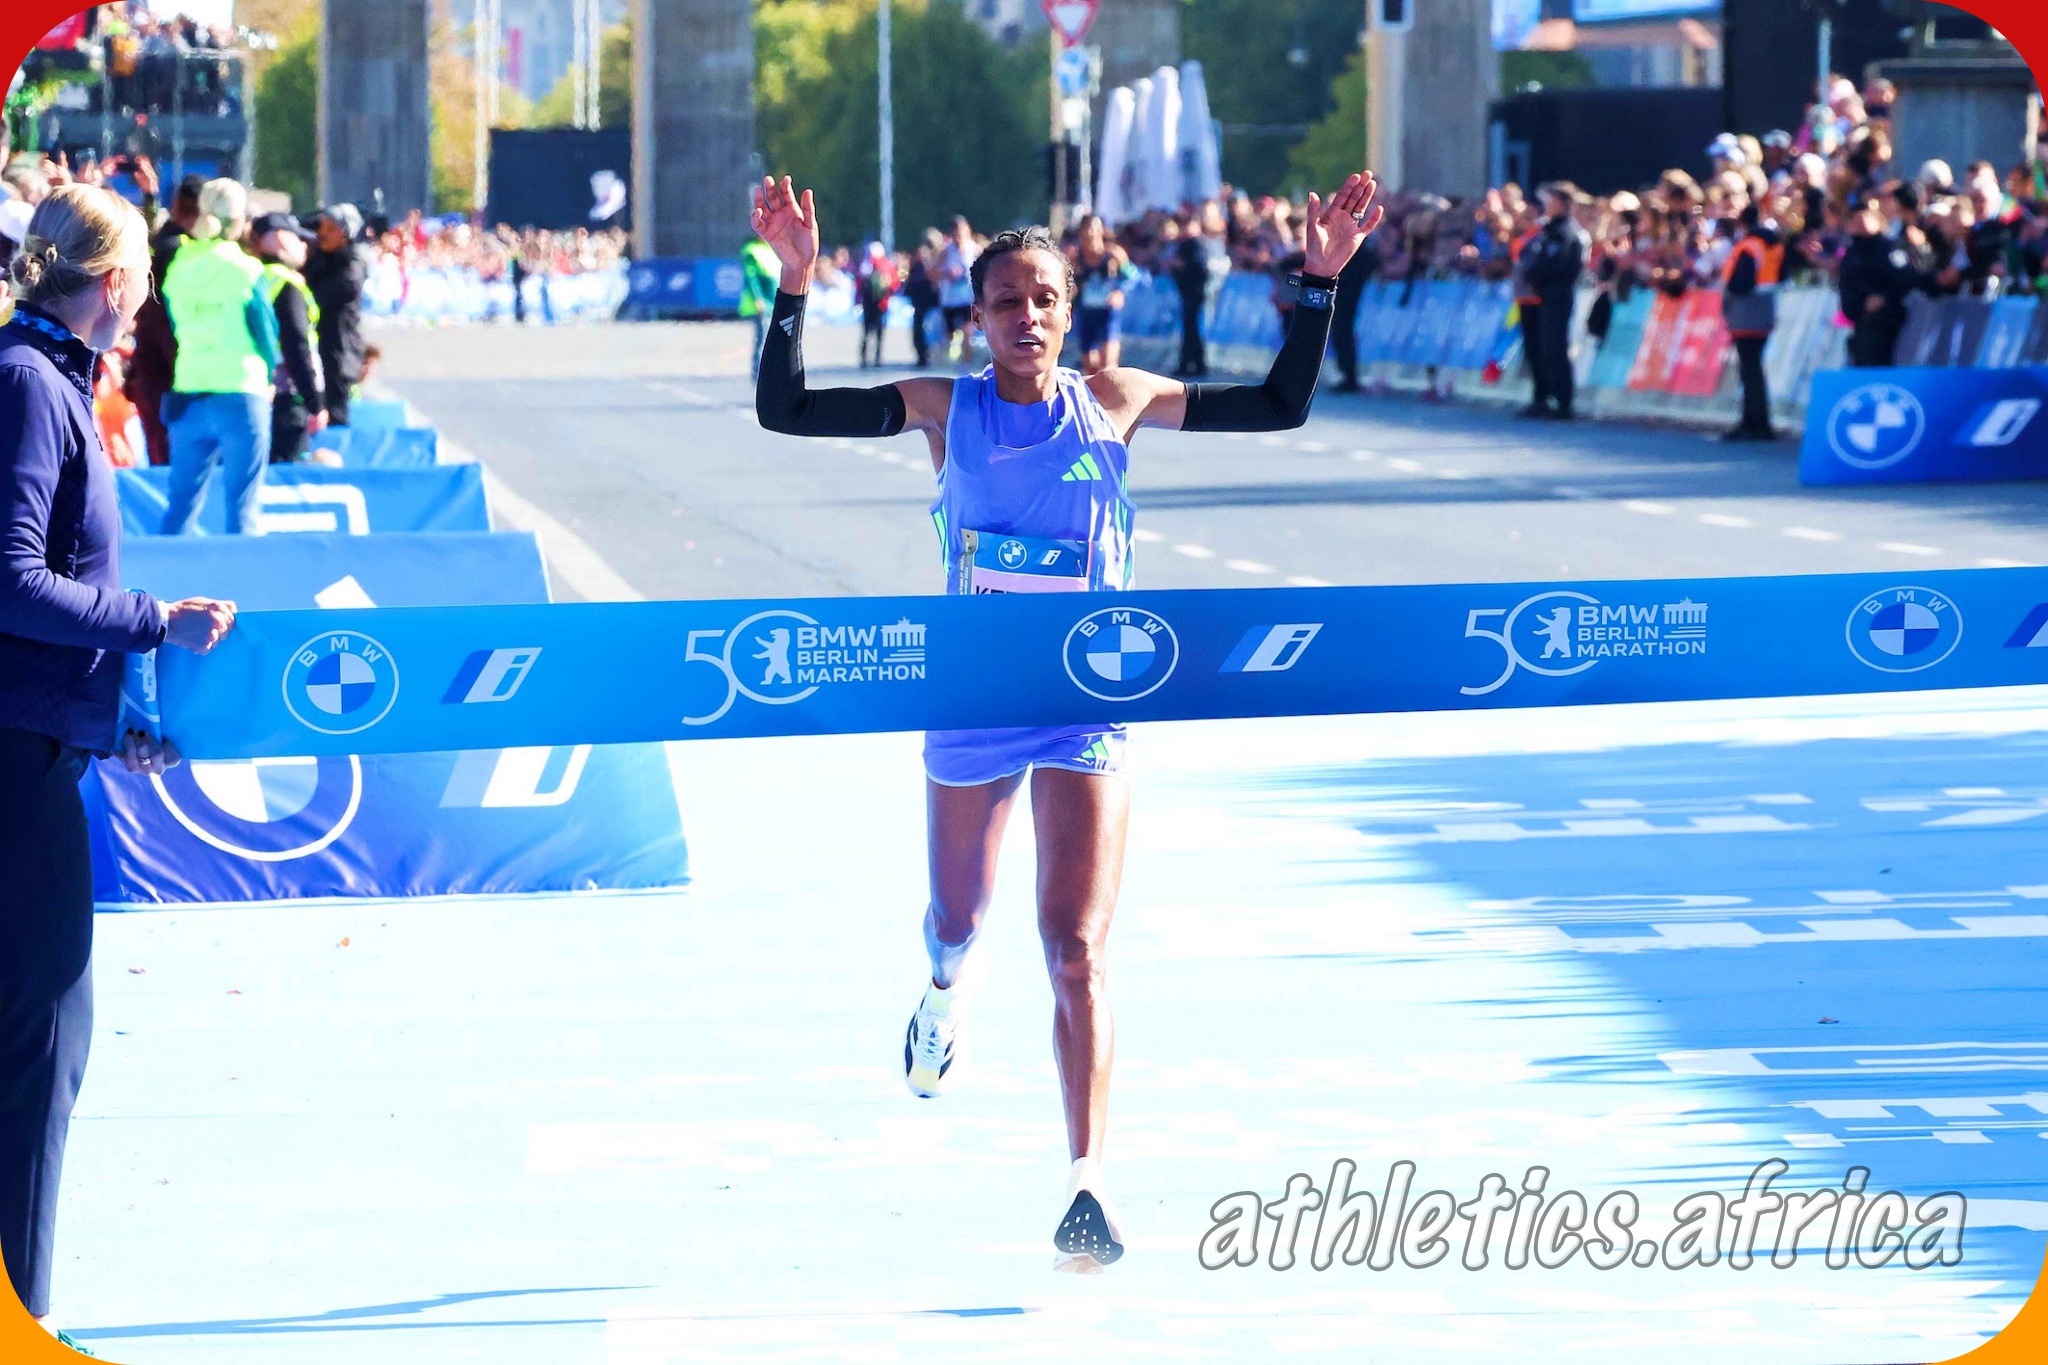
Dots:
{"x": 970, "y": 758}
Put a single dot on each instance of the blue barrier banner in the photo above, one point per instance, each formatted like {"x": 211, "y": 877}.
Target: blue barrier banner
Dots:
{"x": 404, "y": 569}
{"x": 492, "y": 822}
{"x": 1436, "y": 302}
{"x": 311, "y": 498}
{"x": 1479, "y": 325}
{"x": 497, "y": 820}
{"x": 2005, "y": 338}
{"x": 354, "y": 682}
{"x": 1925, "y": 426}
{"x": 376, "y": 414}
{"x": 379, "y": 447}
{"x": 687, "y": 284}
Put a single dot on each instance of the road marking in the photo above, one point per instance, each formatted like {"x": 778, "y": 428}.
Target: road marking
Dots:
{"x": 1364, "y": 455}
{"x": 1650, "y": 509}
{"x": 1901, "y": 547}
{"x": 1452, "y": 474}
{"x": 1995, "y": 563}
{"x": 1723, "y": 519}
{"x": 1195, "y": 551}
{"x": 581, "y": 567}
{"x": 1809, "y": 533}
{"x": 1405, "y": 466}
{"x": 1147, "y": 537}
{"x": 1304, "y": 581}
{"x": 1248, "y": 566}
{"x": 1272, "y": 442}
{"x": 1312, "y": 447}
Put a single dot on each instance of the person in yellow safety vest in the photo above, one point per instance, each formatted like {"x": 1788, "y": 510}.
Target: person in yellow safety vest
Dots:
{"x": 1749, "y": 304}
{"x": 218, "y": 409}
{"x": 757, "y": 295}
{"x": 299, "y": 411}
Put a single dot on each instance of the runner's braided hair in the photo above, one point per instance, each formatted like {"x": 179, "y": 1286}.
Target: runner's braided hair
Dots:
{"x": 1013, "y": 241}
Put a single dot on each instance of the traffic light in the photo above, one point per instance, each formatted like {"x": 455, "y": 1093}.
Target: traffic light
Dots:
{"x": 1063, "y": 172}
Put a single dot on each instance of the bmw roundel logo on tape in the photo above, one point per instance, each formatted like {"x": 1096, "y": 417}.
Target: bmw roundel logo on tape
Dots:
{"x": 1903, "y": 630}
{"x": 340, "y": 683}
{"x": 1121, "y": 653}
{"x": 1012, "y": 553}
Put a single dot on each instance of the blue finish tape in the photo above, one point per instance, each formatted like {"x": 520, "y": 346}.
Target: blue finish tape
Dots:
{"x": 396, "y": 680}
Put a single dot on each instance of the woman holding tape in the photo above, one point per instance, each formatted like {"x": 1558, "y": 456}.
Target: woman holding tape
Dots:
{"x": 1027, "y": 452}
{"x": 64, "y": 626}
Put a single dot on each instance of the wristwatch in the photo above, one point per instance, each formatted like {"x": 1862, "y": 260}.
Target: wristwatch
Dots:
{"x": 1316, "y": 291}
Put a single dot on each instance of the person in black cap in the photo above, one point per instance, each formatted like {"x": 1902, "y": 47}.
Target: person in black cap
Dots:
{"x": 336, "y": 272}
{"x": 299, "y": 409}
{"x": 1551, "y": 266}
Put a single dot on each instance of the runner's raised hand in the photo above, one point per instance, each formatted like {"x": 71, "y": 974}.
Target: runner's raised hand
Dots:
{"x": 788, "y": 223}
{"x": 1336, "y": 229}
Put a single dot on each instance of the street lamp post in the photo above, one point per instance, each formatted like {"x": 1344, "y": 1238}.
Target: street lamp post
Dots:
{"x": 885, "y": 99}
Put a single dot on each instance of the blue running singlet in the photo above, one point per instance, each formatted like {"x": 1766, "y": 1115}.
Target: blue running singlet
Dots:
{"x": 1050, "y": 513}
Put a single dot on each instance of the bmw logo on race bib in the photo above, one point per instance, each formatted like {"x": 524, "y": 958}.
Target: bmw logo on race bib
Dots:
{"x": 1876, "y": 426}
{"x": 1121, "y": 653}
{"x": 340, "y": 683}
{"x": 1012, "y": 554}
{"x": 1903, "y": 630}
{"x": 266, "y": 810}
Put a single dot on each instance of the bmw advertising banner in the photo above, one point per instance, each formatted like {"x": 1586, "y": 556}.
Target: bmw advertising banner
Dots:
{"x": 495, "y": 820}
{"x": 1926, "y": 426}
{"x": 303, "y": 683}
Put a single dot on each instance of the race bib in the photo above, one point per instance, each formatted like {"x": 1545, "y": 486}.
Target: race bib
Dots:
{"x": 999, "y": 563}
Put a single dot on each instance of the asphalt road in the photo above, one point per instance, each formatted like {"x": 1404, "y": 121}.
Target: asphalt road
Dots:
{"x": 642, "y": 441}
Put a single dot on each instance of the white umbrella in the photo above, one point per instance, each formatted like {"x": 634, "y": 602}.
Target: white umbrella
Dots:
{"x": 1140, "y": 151}
{"x": 1118, "y": 113}
{"x": 1200, "y": 159}
{"x": 1162, "y": 128}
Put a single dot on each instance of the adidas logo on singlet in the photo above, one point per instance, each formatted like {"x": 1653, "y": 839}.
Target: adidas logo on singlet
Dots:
{"x": 1085, "y": 470}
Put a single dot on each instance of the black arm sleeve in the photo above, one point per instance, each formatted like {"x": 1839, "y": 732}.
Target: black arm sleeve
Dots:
{"x": 1279, "y": 404}
{"x": 783, "y": 404}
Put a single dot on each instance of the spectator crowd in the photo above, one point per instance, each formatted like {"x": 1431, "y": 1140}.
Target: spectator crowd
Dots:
{"x": 1826, "y": 205}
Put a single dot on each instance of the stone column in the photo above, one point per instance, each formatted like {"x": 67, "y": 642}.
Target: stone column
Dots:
{"x": 375, "y": 128}
{"x": 693, "y": 126}
{"x": 1430, "y": 89}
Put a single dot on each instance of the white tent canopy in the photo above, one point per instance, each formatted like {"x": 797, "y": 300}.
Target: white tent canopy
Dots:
{"x": 1200, "y": 158}
{"x": 1158, "y": 146}
{"x": 1119, "y": 113}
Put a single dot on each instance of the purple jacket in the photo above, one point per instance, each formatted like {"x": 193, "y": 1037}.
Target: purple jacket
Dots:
{"x": 64, "y": 621}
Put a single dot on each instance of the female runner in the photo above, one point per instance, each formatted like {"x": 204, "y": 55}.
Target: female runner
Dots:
{"x": 1104, "y": 272}
{"x": 1029, "y": 451}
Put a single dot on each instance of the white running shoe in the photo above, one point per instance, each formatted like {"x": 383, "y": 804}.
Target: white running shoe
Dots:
{"x": 1088, "y": 1237}
{"x": 929, "y": 1042}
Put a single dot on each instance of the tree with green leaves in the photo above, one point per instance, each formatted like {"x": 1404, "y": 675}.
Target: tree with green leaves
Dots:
{"x": 1273, "y": 68}
{"x": 970, "y": 115}
{"x": 557, "y": 108}
{"x": 287, "y": 116}
{"x": 1334, "y": 147}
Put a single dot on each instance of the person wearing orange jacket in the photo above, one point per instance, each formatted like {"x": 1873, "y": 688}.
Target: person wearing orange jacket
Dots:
{"x": 1749, "y": 304}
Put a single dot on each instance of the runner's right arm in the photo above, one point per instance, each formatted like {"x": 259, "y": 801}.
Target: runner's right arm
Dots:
{"x": 783, "y": 402}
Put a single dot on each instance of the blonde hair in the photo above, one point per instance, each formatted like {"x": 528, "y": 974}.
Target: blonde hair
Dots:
{"x": 78, "y": 236}
{"x": 223, "y": 204}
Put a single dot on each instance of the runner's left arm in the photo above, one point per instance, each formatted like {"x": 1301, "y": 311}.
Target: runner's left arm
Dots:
{"x": 1336, "y": 231}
